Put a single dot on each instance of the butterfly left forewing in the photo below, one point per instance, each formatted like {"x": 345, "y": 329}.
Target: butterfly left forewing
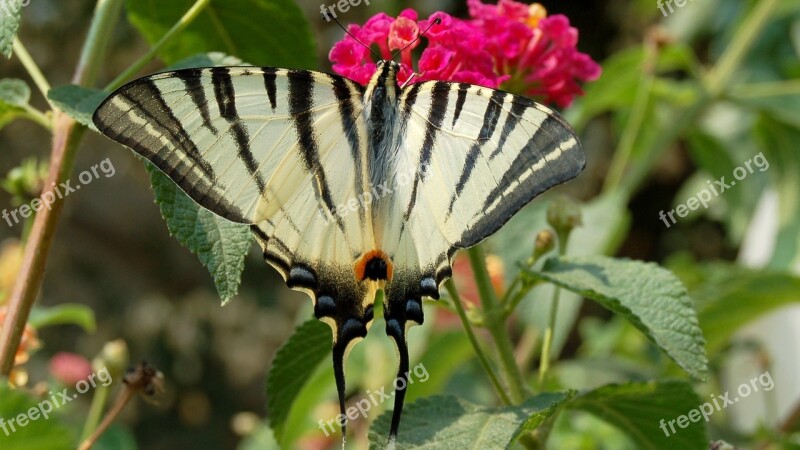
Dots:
{"x": 281, "y": 150}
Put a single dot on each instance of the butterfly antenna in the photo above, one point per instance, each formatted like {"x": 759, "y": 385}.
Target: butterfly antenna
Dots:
{"x": 436, "y": 21}
{"x": 374, "y": 53}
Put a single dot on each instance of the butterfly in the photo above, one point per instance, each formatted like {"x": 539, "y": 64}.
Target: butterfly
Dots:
{"x": 348, "y": 189}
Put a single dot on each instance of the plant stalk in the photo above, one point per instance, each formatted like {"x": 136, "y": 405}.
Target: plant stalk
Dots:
{"x": 462, "y": 314}
{"x": 31, "y": 67}
{"x": 67, "y": 135}
{"x": 95, "y": 411}
{"x": 547, "y": 341}
{"x": 179, "y": 26}
{"x": 494, "y": 319}
{"x": 719, "y": 76}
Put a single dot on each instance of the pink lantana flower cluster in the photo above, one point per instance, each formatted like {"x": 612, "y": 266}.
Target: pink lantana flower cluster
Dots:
{"x": 511, "y": 45}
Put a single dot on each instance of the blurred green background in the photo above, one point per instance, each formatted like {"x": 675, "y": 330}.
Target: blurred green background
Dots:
{"x": 113, "y": 251}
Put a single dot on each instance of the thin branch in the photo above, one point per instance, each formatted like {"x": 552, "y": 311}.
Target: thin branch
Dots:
{"x": 494, "y": 319}
{"x": 179, "y": 26}
{"x": 451, "y": 289}
{"x": 67, "y": 135}
{"x": 33, "y": 69}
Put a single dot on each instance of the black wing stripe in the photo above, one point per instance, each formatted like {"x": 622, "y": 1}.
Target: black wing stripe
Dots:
{"x": 436, "y": 113}
{"x": 194, "y": 86}
{"x": 460, "y": 100}
{"x": 344, "y": 94}
{"x": 491, "y": 116}
{"x": 551, "y": 134}
{"x": 270, "y": 86}
{"x": 148, "y": 99}
{"x": 517, "y": 109}
{"x": 226, "y": 101}
{"x": 301, "y": 91}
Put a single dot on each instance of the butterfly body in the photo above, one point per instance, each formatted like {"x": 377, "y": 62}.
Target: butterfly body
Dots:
{"x": 348, "y": 189}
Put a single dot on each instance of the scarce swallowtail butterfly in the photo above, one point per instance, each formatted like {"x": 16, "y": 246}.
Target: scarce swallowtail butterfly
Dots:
{"x": 348, "y": 188}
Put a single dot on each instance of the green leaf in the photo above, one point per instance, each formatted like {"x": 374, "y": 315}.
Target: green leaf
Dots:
{"x": 77, "y": 102}
{"x": 445, "y": 354}
{"x": 116, "y": 437}
{"x": 610, "y": 221}
{"x": 41, "y": 433}
{"x": 220, "y": 244}
{"x": 736, "y": 207}
{"x": 10, "y": 15}
{"x": 64, "y": 314}
{"x": 779, "y": 144}
{"x": 732, "y": 303}
{"x": 14, "y": 92}
{"x": 14, "y": 96}
{"x": 262, "y": 32}
{"x": 622, "y": 72}
{"x": 293, "y": 366}
{"x": 445, "y": 422}
{"x": 207, "y": 60}
{"x": 261, "y": 439}
{"x": 639, "y": 408}
{"x": 648, "y": 296}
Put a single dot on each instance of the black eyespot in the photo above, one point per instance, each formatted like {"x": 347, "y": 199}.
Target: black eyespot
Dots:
{"x": 394, "y": 329}
{"x": 352, "y": 329}
{"x": 375, "y": 269}
{"x": 325, "y": 307}
{"x": 428, "y": 287}
{"x": 414, "y": 311}
{"x": 300, "y": 276}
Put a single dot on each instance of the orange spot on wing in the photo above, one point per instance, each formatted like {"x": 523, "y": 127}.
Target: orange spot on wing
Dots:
{"x": 361, "y": 265}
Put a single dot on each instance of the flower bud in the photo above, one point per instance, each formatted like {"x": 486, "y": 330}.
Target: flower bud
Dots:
{"x": 113, "y": 357}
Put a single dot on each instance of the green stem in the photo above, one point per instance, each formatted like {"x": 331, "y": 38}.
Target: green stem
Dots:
{"x": 38, "y": 117}
{"x": 30, "y": 65}
{"x": 719, "y": 76}
{"x": 635, "y": 122}
{"x": 451, "y": 289}
{"x": 547, "y": 341}
{"x": 67, "y": 135}
{"x": 494, "y": 319}
{"x": 769, "y": 89}
{"x": 511, "y": 304}
{"x": 95, "y": 411}
{"x": 179, "y": 26}
{"x": 715, "y": 84}
{"x": 106, "y": 13}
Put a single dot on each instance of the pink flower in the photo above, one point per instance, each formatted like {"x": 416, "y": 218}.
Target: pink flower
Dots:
{"x": 538, "y": 52}
{"x": 510, "y": 45}
{"x": 70, "y": 368}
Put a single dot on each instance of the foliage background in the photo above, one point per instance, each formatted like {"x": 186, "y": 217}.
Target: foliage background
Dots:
{"x": 114, "y": 253}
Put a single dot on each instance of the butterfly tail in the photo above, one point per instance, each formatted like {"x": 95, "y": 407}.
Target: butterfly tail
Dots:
{"x": 397, "y": 333}
{"x": 403, "y": 307}
{"x": 339, "y": 353}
